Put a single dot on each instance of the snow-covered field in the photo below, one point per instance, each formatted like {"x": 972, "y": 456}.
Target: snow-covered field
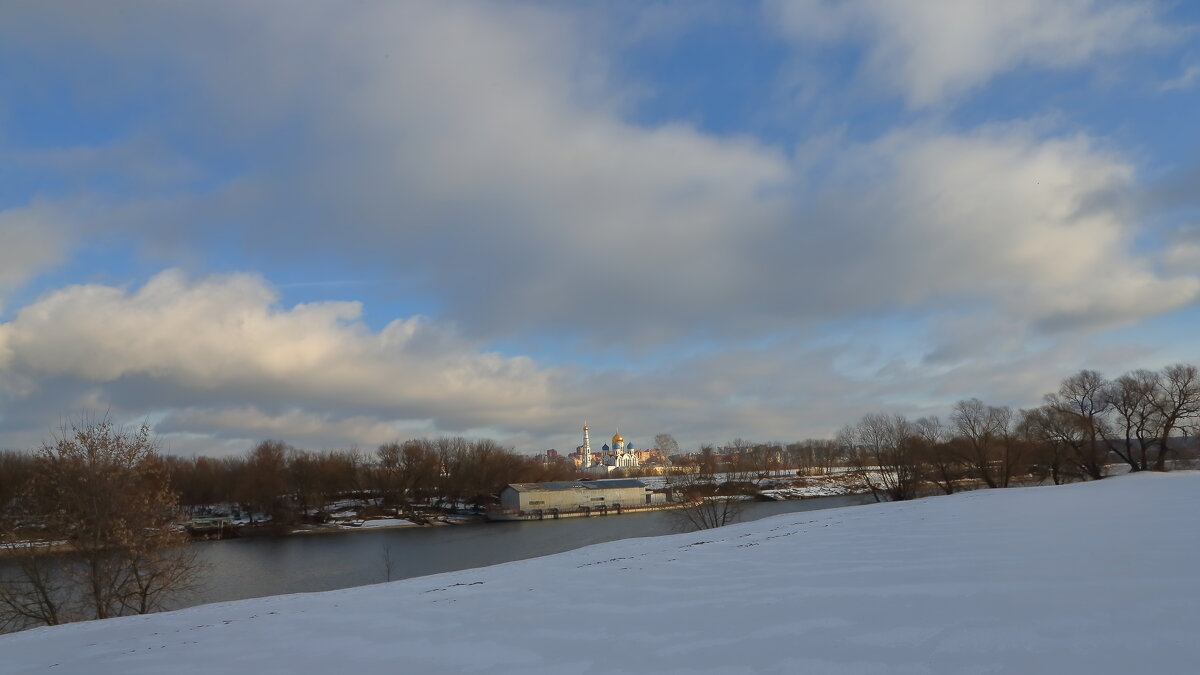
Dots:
{"x": 1089, "y": 578}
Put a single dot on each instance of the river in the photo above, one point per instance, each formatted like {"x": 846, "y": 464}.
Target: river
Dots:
{"x": 260, "y": 566}
{"x": 253, "y": 567}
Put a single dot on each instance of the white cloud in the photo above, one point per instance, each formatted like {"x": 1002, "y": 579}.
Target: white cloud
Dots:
{"x": 1185, "y": 80}
{"x": 299, "y": 427}
{"x": 931, "y": 51}
{"x": 224, "y": 338}
{"x": 1002, "y": 217}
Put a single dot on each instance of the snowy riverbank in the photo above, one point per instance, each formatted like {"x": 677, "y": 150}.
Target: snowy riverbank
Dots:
{"x": 1097, "y": 577}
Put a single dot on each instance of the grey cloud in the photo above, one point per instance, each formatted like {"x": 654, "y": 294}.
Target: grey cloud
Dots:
{"x": 220, "y": 398}
{"x": 32, "y": 238}
{"x": 454, "y": 144}
{"x": 479, "y": 152}
{"x": 934, "y": 52}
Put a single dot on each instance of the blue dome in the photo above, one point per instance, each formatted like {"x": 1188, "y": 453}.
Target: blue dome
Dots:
{"x": 629, "y": 445}
{"x": 605, "y": 448}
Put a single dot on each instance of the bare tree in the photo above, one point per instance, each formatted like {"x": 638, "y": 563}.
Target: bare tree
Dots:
{"x": 944, "y": 466}
{"x": 389, "y": 475}
{"x": 15, "y": 469}
{"x": 767, "y": 458}
{"x": 1176, "y": 401}
{"x": 1149, "y": 408}
{"x": 104, "y": 492}
{"x": 263, "y": 484}
{"x": 815, "y": 455}
{"x": 667, "y": 446}
{"x": 1080, "y": 406}
{"x": 705, "y": 500}
{"x": 976, "y": 425}
{"x": 304, "y": 478}
{"x": 1134, "y": 421}
{"x": 888, "y": 453}
{"x": 1055, "y": 436}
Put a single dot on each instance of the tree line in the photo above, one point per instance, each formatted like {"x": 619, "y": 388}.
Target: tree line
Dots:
{"x": 109, "y": 497}
{"x": 287, "y": 483}
{"x": 1142, "y": 419}
{"x": 1139, "y": 419}
{"x": 116, "y": 508}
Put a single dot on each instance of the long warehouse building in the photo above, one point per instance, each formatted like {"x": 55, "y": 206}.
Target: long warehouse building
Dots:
{"x": 575, "y": 495}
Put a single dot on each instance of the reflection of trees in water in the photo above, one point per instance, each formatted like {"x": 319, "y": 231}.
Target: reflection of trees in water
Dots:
{"x": 709, "y": 499}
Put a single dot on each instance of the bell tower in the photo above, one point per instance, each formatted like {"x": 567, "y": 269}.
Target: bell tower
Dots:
{"x": 586, "y": 462}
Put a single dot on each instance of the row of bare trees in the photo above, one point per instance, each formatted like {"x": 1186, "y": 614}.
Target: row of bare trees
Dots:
{"x": 284, "y": 482}
{"x": 453, "y": 470}
{"x": 813, "y": 455}
{"x": 103, "y": 495}
{"x": 1142, "y": 419}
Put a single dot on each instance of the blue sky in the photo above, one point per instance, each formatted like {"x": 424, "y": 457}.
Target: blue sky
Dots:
{"x": 344, "y": 225}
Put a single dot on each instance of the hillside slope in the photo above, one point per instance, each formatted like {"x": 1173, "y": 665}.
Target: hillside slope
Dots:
{"x": 1098, "y": 577}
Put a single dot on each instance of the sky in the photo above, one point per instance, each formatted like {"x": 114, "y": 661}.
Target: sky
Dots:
{"x": 342, "y": 224}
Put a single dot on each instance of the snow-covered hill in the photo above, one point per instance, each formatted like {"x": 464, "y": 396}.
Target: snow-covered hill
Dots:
{"x": 1091, "y": 578}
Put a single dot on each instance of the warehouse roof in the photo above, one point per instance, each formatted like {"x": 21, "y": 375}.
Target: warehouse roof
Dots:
{"x": 558, "y": 485}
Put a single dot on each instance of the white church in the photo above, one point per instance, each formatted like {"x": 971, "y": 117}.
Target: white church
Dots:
{"x": 620, "y": 455}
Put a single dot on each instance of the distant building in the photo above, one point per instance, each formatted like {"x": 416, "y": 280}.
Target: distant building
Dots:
{"x": 620, "y": 455}
{"x": 648, "y": 456}
{"x": 574, "y": 496}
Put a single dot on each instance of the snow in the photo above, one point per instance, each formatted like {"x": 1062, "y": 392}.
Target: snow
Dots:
{"x": 384, "y": 522}
{"x": 27, "y": 544}
{"x": 1087, "y": 578}
{"x": 787, "y": 485}
{"x": 809, "y": 492}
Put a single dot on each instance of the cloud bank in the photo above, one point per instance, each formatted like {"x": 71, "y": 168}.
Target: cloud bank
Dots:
{"x": 565, "y": 259}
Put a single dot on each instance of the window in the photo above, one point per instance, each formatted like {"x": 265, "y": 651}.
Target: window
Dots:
{"x": 537, "y": 502}
{"x": 597, "y": 499}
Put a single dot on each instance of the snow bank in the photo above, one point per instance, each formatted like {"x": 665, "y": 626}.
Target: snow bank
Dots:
{"x": 808, "y": 492}
{"x": 385, "y": 522}
{"x": 1091, "y": 578}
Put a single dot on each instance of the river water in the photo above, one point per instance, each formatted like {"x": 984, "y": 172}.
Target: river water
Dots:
{"x": 260, "y": 566}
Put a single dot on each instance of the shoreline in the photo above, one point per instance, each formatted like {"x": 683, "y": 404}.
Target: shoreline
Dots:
{"x": 333, "y": 528}
{"x": 827, "y": 485}
{"x": 247, "y": 531}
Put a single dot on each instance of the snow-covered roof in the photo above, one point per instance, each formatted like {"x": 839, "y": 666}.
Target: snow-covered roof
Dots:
{"x": 559, "y": 485}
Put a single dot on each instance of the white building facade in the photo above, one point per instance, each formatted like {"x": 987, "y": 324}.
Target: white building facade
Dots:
{"x": 575, "y": 496}
{"x": 619, "y": 455}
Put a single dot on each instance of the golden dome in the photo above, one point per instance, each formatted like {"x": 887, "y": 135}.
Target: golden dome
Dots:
{"x": 617, "y": 440}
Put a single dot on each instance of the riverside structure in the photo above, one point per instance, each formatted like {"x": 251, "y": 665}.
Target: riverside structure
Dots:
{"x": 570, "y": 499}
